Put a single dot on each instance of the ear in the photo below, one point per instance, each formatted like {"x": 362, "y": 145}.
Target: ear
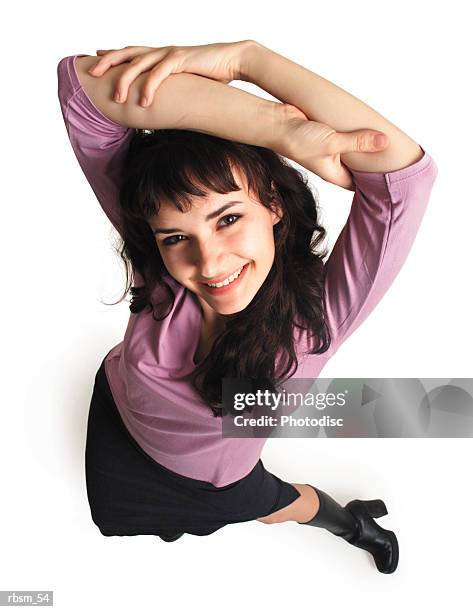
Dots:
{"x": 277, "y": 211}
{"x": 276, "y": 214}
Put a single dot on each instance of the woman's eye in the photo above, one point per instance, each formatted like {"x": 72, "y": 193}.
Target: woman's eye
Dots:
{"x": 230, "y": 216}
{"x": 172, "y": 240}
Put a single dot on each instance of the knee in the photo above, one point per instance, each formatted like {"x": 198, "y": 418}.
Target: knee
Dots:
{"x": 270, "y": 519}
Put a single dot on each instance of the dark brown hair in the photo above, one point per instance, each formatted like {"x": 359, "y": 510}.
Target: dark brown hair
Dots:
{"x": 177, "y": 164}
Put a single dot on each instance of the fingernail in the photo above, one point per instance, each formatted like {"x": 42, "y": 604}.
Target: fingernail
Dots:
{"x": 117, "y": 97}
{"x": 144, "y": 101}
{"x": 379, "y": 140}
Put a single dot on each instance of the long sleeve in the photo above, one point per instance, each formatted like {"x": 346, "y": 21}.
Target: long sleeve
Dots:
{"x": 99, "y": 143}
{"x": 385, "y": 215}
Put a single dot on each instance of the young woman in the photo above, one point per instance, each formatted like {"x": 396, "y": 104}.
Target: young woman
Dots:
{"x": 220, "y": 237}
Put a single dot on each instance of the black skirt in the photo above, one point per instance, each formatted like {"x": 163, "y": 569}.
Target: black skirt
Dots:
{"x": 130, "y": 493}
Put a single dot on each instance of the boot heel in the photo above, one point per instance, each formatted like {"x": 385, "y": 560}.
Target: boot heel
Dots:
{"x": 375, "y": 508}
{"x": 171, "y": 538}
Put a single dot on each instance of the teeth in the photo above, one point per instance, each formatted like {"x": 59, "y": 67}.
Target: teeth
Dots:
{"x": 228, "y": 280}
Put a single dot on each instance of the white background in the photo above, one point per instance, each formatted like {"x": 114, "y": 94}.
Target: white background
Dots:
{"x": 408, "y": 60}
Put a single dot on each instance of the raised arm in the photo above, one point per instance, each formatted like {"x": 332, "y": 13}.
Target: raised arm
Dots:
{"x": 392, "y": 188}
{"x": 188, "y": 101}
{"x": 326, "y": 103}
{"x": 385, "y": 217}
{"x": 187, "y": 88}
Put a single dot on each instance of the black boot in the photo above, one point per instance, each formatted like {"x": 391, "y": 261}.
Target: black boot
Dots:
{"x": 354, "y": 523}
{"x": 171, "y": 538}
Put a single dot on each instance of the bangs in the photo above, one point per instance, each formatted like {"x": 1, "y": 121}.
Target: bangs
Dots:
{"x": 177, "y": 164}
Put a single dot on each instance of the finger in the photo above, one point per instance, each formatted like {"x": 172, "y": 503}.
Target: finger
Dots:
{"x": 346, "y": 178}
{"x": 110, "y": 58}
{"x": 340, "y": 175}
{"x": 157, "y": 75}
{"x": 140, "y": 63}
{"x": 334, "y": 171}
{"x": 114, "y": 57}
{"x": 359, "y": 141}
{"x": 100, "y": 52}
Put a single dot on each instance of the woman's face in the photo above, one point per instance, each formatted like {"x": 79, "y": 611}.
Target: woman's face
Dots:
{"x": 209, "y": 245}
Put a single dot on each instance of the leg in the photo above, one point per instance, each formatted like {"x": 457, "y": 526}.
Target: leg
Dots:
{"x": 354, "y": 523}
{"x": 302, "y": 510}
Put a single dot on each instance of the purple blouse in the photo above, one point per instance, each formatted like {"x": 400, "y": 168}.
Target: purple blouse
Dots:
{"x": 147, "y": 371}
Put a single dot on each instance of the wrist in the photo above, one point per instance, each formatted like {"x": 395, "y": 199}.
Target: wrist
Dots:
{"x": 283, "y": 129}
{"x": 279, "y": 125}
{"x": 248, "y": 52}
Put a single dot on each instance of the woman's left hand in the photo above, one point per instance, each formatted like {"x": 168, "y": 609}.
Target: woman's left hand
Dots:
{"x": 318, "y": 147}
{"x": 217, "y": 61}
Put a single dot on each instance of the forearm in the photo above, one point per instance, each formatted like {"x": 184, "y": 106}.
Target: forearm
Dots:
{"x": 192, "y": 102}
{"x": 327, "y": 103}
{"x": 188, "y": 101}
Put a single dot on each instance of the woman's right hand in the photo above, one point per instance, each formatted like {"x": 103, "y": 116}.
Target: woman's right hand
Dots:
{"x": 318, "y": 147}
{"x": 217, "y": 61}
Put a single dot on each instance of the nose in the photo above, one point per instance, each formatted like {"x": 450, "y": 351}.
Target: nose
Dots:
{"x": 209, "y": 260}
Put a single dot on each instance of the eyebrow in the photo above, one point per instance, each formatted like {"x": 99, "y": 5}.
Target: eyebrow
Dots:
{"x": 209, "y": 217}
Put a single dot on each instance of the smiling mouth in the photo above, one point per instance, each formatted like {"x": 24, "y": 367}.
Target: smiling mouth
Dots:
{"x": 227, "y": 283}
{"x": 229, "y": 279}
